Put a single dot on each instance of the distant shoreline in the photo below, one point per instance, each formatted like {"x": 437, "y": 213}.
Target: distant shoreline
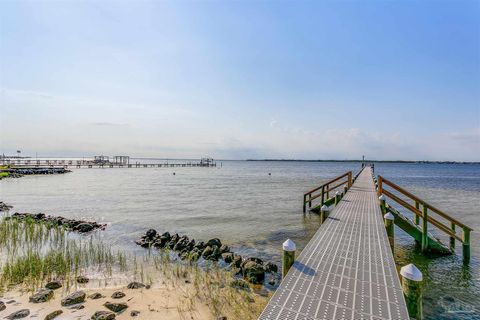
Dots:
{"x": 371, "y": 161}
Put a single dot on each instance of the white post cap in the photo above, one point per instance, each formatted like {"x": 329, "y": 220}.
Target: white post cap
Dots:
{"x": 411, "y": 272}
{"x": 389, "y": 216}
{"x": 382, "y": 198}
{"x": 337, "y": 193}
{"x": 324, "y": 208}
{"x": 289, "y": 245}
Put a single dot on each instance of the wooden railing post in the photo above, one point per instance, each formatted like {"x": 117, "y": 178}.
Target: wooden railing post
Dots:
{"x": 466, "y": 245}
{"x": 380, "y": 186}
{"x": 452, "y": 239}
{"x": 425, "y": 228}
{"x": 304, "y": 203}
{"x": 310, "y": 202}
{"x": 323, "y": 196}
{"x": 417, "y": 218}
{"x": 349, "y": 179}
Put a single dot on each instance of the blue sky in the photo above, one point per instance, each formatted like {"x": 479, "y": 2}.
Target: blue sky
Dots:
{"x": 241, "y": 79}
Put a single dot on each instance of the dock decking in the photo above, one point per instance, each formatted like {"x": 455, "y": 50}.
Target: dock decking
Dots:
{"x": 347, "y": 270}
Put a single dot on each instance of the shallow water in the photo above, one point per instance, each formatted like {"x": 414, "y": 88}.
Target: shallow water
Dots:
{"x": 254, "y": 212}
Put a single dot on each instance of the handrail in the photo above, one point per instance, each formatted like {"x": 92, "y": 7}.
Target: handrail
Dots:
{"x": 329, "y": 182}
{"x": 325, "y": 189}
{"x": 450, "y": 231}
{"x": 415, "y": 198}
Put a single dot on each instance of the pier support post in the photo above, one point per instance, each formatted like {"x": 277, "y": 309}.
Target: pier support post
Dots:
{"x": 466, "y": 245}
{"x": 412, "y": 290}
{"x": 452, "y": 239}
{"x": 337, "y": 197}
{"x": 288, "y": 259}
{"x": 425, "y": 229}
{"x": 323, "y": 213}
{"x": 383, "y": 204}
{"x": 345, "y": 189}
{"x": 389, "y": 219}
{"x": 417, "y": 218}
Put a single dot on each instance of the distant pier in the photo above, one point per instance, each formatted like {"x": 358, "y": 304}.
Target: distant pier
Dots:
{"x": 99, "y": 162}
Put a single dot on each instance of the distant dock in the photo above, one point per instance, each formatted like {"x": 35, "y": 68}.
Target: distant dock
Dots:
{"x": 100, "y": 162}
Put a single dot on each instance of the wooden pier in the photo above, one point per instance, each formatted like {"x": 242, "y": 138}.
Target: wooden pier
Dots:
{"x": 79, "y": 164}
{"x": 347, "y": 270}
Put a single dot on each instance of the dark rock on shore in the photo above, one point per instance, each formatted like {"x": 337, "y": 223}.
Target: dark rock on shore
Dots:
{"x": 18, "y": 314}
{"x": 74, "y": 298}
{"x": 214, "y": 242}
{"x": 53, "y": 315}
{"x": 227, "y": 257}
{"x": 252, "y": 269}
{"x": 271, "y": 267}
{"x": 135, "y": 285}
{"x": 115, "y": 307}
{"x": 2, "y": 306}
{"x": 103, "y": 315}
{"x": 4, "y": 206}
{"x": 118, "y": 295}
{"x": 43, "y": 295}
{"x": 82, "y": 279}
{"x": 134, "y": 313}
{"x": 95, "y": 296}
{"x": 53, "y": 285}
{"x": 70, "y": 224}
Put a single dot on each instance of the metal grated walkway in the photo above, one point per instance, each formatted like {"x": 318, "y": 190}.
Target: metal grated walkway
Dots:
{"x": 347, "y": 270}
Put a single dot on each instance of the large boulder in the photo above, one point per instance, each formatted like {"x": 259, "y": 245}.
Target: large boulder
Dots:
{"x": 200, "y": 246}
{"x": 253, "y": 271}
{"x": 237, "y": 261}
{"x": 271, "y": 267}
{"x": 257, "y": 260}
{"x": 227, "y": 257}
{"x": 224, "y": 248}
{"x": 74, "y": 298}
{"x": 207, "y": 252}
{"x": 151, "y": 234}
{"x": 43, "y": 295}
{"x": 214, "y": 242}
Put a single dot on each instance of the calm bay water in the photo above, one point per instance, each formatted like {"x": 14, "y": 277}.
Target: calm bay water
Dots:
{"x": 254, "y": 212}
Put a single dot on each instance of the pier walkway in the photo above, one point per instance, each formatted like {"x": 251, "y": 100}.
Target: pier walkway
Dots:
{"x": 347, "y": 270}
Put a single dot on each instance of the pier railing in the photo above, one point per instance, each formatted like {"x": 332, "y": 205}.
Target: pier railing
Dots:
{"x": 423, "y": 210}
{"x": 323, "y": 191}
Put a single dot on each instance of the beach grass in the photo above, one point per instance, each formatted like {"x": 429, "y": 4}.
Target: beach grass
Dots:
{"x": 33, "y": 253}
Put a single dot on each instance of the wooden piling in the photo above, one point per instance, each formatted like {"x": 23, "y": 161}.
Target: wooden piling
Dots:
{"x": 389, "y": 220}
{"x": 425, "y": 229}
{"x": 383, "y": 204}
{"x": 466, "y": 245}
{"x": 417, "y": 218}
{"x": 288, "y": 259}
{"x": 324, "y": 211}
{"x": 412, "y": 290}
{"x": 452, "y": 239}
{"x": 337, "y": 197}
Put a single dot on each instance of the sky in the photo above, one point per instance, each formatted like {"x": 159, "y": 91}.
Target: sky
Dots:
{"x": 241, "y": 79}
